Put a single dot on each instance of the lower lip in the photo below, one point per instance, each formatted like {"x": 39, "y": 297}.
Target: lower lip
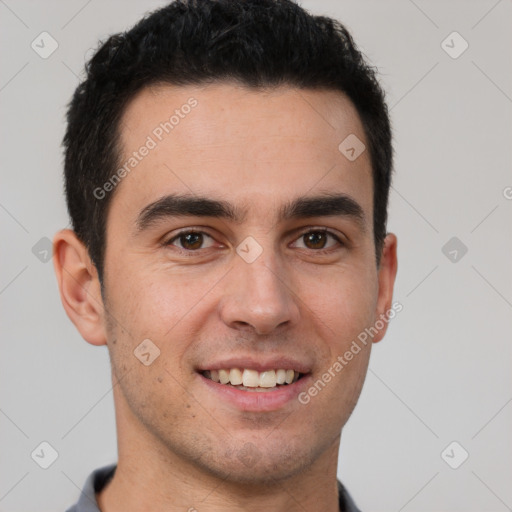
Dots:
{"x": 258, "y": 401}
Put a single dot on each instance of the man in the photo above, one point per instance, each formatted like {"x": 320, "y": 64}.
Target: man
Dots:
{"x": 227, "y": 171}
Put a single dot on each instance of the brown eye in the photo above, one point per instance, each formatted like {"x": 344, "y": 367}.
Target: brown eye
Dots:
{"x": 318, "y": 240}
{"x": 315, "y": 239}
{"x": 189, "y": 240}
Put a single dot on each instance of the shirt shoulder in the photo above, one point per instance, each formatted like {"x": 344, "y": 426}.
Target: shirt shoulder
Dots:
{"x": 346, "y": 502}
{"x": 95, "y": 482}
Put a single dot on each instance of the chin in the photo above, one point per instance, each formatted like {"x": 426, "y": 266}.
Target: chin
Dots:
{"x": 251, "y": 464}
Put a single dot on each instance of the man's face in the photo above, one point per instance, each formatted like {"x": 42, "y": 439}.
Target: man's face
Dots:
{"x": 263, "y": 292}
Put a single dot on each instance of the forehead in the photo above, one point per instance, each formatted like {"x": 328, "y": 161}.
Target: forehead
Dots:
{"x": 263, "y": 146}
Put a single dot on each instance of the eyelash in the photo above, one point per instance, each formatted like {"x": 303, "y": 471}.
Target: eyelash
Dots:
{"x": 192, "y": 252}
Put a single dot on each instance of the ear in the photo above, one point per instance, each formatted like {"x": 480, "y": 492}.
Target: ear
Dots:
{"x": 79, "y": 286}
{"x": 386, "y": 277}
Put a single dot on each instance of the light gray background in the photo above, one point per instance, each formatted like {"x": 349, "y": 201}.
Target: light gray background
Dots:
{"x": 441, "y": 374}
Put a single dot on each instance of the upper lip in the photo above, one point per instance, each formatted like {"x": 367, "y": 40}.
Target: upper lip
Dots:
{"x": 259, "y": 364}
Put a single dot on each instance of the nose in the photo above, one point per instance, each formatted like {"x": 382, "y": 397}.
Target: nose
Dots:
{"x": 259, "y": 296}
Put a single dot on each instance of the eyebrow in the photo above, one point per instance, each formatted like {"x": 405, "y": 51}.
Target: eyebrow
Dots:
{"x": 185, "y": 205}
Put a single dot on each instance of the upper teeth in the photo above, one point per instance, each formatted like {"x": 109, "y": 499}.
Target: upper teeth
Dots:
{"x": 253, "y": 378}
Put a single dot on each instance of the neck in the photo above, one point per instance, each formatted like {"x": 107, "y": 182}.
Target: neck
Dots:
{"x": 132, "y": 491}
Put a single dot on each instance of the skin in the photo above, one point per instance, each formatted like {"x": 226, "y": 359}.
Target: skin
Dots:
{"x": 179, "y": 444}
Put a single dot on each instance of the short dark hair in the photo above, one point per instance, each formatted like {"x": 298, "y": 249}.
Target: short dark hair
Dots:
{"x": 257, "y": 43}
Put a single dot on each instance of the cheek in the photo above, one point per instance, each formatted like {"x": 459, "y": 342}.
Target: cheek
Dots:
{"x": 342, "y": 301}
{"x": 155, "y": 308}
{"x": 155, "y": 300}
{"x": 165, "y": 306}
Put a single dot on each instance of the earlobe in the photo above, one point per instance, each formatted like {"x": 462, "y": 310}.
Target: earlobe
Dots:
{"x": 79, "y": 286}
{"x": 386, "y": 280}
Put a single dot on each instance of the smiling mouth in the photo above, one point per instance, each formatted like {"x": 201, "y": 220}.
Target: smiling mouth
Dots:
{"x": 252, "y": 380}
